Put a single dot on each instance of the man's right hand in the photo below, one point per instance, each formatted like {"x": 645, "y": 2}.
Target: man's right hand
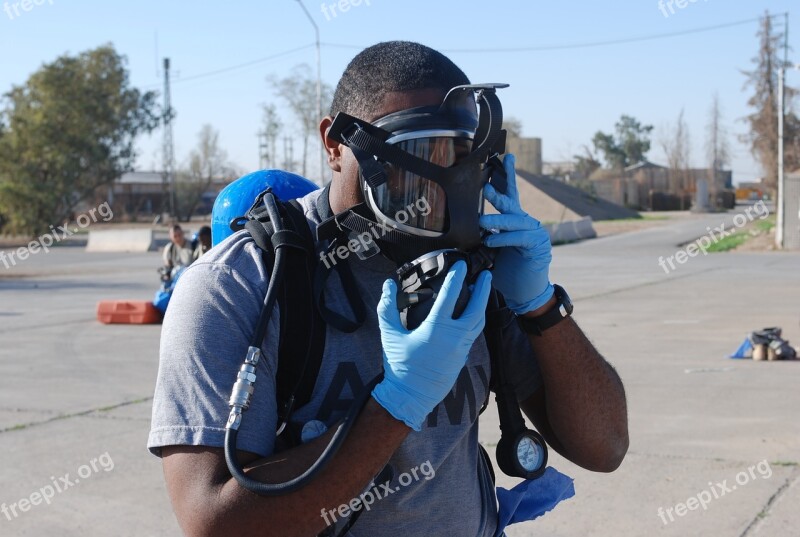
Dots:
{"x": 422, "y": 365}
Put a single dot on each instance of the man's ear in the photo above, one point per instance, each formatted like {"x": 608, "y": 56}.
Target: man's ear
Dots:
{"x": 333, "y": 150}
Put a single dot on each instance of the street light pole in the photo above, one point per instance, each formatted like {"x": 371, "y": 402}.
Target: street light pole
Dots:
{"x": 319, "y": 86}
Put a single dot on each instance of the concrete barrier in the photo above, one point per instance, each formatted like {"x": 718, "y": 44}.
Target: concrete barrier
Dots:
{"x": 121, "y": 240}
{"x": 571, "y": 231}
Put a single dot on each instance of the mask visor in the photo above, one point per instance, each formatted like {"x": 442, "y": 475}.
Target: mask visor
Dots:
{"x": 411, "y": 202}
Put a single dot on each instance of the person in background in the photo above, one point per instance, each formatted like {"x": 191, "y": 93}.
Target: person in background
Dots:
{"x": 203, "y": 242}
{"x": 178, "y": 253}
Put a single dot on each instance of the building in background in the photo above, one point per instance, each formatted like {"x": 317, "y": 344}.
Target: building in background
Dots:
{"x": 528, "y": 153}
{"x": 648, "y": 186}
{"x": 138, "y": 195}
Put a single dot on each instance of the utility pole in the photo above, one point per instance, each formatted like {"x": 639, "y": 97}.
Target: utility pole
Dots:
{"x": 780, "y": 201}
{"x": 168, "y": 150}
{"x": 319, "y": 88}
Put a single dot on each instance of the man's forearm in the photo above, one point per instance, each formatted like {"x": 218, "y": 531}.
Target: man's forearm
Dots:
{"x": 583, "y": 397}
{"x": 234, "y": 510}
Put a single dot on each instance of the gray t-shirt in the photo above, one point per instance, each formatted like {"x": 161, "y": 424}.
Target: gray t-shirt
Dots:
{"x": 206, "y": 332}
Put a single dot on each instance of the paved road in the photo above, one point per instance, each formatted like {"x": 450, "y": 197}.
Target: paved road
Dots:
{"x": 75, "y": 395}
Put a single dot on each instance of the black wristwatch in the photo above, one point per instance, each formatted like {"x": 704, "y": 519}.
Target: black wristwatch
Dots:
{"x": 560, "y": 311}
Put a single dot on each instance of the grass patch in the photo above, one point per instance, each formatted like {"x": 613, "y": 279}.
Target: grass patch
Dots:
{"x": 17, "y": 427}
{"x": 784, "y": 463}
{"x": 728, "y": 243}
{"x": 731, "y": 242}
{"x": 126, "y": 403}
{"x": 764, "y": 226}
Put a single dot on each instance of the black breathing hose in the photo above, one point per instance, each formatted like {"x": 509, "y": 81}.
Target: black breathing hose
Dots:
{"x": 244, "y": 387}
{"x": 278, "y": 489}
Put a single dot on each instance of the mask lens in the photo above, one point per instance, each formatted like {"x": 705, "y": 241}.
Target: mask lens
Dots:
{"x": 411, "y": 199}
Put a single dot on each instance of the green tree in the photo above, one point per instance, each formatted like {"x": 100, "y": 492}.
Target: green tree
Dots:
{"x": 628, "y": 145}
{"x": 67, "y": 131}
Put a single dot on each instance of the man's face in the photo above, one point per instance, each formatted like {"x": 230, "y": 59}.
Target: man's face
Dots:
{"x": 346, "y": 191}
{"x": 176, "y": 236}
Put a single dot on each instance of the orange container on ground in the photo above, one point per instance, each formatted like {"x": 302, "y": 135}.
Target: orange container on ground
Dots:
{"x": 127, "y": 312}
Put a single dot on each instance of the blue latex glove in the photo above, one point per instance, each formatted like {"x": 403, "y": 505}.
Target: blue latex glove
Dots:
{"x": 521, "y": 267}
{"x": 422, "y": 365}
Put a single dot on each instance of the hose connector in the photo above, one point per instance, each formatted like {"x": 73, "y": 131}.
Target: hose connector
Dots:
{"x": 243, "y": 388}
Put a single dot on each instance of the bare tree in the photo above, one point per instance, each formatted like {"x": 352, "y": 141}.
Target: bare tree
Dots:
{"x": 299, "y": 90}
{"x": 271, "y": 129}
{"x": 675, "y": 141}
{"x": 587, "y": 163}
{"x": 717, "y": 148}
{"x": 207, "y": 162}
{"x": 763, "y": 135}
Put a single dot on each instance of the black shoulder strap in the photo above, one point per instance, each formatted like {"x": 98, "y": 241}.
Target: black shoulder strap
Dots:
{"x": 302, "y": 331}
{"x": 497, "y": 317}
{"x": 302, "y": 340}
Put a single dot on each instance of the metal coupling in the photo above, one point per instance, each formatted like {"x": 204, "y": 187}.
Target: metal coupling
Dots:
{"x": 234, "y": 419}
{"x": 243, "y": 388}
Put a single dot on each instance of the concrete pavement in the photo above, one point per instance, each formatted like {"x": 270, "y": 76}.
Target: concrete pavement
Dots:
{"x": 74, "y": 393}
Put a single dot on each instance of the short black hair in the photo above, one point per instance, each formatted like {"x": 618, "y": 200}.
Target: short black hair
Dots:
{"x": 204, "y": 231}
{"x": 392, "y": 66}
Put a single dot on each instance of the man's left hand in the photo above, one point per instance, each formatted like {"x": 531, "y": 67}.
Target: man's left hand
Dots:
{"x": 521, "y": 270}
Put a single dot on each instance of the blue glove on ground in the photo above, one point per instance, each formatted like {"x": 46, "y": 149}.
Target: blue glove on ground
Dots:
{"x": 422, "y": 365}
{"x": 521, "y": 268}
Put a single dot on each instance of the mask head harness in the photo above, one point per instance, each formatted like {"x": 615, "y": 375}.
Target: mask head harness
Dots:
{"x": 422, "y": 171}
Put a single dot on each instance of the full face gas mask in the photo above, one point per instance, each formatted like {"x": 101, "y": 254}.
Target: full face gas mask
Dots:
{"x": 422, "y": 171}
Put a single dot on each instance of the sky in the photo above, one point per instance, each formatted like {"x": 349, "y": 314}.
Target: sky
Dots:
{"x": 567, "y": 80}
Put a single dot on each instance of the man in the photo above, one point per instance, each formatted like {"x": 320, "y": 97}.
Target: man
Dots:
{"x": 574, "y": 398}
{"x": 178, "y": 253}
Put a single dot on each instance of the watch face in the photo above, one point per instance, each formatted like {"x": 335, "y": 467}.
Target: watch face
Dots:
{"x": 529, "y": 454}
{"x": 563, "y": 297}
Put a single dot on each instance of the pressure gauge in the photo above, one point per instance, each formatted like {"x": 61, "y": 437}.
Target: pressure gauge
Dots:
{"x": 525, "y": 456}
{"x": 530, "y": 454}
